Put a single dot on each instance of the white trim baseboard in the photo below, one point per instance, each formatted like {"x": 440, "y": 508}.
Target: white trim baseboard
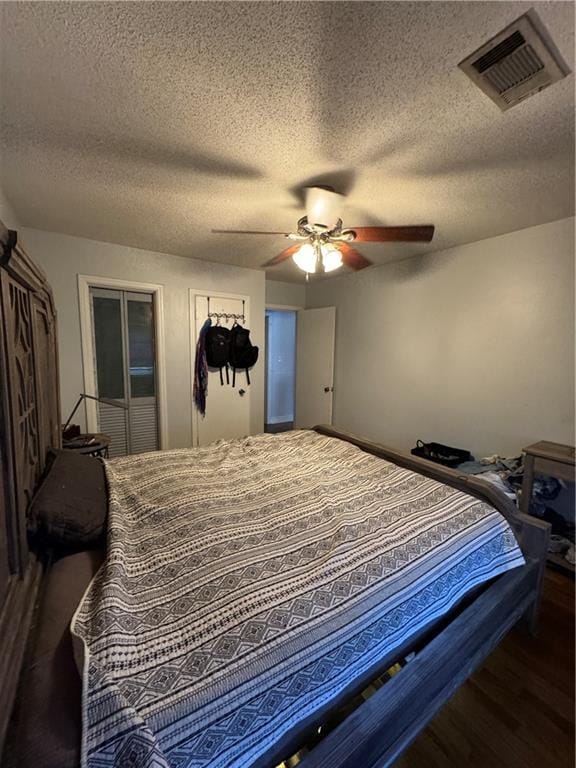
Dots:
{"x": 85, "y": 282}
{"x": 287, "y": 419}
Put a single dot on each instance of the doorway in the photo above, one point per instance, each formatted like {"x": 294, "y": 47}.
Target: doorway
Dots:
{"x": 95, "y": 420}
{"x": 280, "y": 369}
{"x": 123, "y": 342}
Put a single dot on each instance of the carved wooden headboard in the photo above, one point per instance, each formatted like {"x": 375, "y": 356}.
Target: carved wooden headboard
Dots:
{"x": 29, "y": 425}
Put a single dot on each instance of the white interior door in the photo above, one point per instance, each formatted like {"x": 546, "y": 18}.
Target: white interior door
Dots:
{"x": 227, "y": 408}
{"x": 314, "y": 366}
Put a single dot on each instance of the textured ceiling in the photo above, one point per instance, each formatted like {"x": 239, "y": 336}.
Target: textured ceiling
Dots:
{"x": 148, "y": 124}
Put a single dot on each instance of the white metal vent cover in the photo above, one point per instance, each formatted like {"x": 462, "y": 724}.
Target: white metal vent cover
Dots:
{"x": 517, "y": 63}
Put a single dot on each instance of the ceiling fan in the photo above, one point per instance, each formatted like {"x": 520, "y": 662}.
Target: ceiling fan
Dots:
{"x": 323, "y": 245}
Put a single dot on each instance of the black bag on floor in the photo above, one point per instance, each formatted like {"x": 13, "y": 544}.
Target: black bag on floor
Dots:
{"x": 243, "y": 354}
{"x": 441, "y": 454}
{"x": 218, "y": 349}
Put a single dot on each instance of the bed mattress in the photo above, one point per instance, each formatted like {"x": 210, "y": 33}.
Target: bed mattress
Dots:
{"x": 250, "y": 582}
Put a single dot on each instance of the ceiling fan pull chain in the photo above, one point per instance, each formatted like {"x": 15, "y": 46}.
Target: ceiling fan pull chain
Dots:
{"x": 319, "y": 259}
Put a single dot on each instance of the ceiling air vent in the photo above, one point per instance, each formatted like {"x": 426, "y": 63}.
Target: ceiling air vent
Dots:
{"x": 517, "y": 63}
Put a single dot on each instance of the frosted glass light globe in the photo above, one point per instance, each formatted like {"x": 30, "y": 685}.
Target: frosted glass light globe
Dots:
{"x": 331, "y": 258}
{"x": 305, "y": 258}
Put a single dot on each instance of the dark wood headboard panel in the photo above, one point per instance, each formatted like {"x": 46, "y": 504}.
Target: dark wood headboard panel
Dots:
{"x": 29, "y": 425}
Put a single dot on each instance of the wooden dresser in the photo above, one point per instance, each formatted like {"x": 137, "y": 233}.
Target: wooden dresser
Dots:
{"x": 29, "y": 425}
{"x": 553, "y": 459}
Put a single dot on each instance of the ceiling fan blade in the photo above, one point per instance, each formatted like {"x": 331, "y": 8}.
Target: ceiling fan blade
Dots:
{"x": 417, "y": 234}
{"x": 352, "y": 258}
{"x": 245, "y": 232}
{"x": 286, "y": 253}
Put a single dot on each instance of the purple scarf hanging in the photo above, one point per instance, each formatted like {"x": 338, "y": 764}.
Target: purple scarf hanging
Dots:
{"x": 201, "y": 370}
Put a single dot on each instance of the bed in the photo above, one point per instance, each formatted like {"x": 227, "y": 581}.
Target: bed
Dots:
{"x": 233, "y": 611}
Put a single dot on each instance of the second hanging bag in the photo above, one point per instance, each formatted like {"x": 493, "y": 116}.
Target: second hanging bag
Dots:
{"x": 218, "y": 349}
{"x": 242, "y": 353}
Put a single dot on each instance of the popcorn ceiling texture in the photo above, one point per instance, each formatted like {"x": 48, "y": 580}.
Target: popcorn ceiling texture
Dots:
{"x": 147, "y": 124}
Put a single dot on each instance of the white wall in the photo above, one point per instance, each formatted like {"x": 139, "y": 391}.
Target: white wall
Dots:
{"x": 473, "y": 346}
{"x": 63, "y": 257}
{"x": 285, "y": 294}
{"x": 7, "y": 214}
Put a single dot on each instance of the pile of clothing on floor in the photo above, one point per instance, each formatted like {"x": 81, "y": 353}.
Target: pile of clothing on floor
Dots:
{"x": 506, "y": 474}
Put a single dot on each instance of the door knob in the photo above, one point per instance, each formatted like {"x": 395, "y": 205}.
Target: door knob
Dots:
{"x": 241, "y": 392}
{"x": 328, "y": 389}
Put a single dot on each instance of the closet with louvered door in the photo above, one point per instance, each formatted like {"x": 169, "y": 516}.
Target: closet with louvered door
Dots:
{"x": 125, "y": 366}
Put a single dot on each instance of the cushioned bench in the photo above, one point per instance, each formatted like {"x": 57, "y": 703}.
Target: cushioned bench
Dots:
{"x": 46, "y": 729}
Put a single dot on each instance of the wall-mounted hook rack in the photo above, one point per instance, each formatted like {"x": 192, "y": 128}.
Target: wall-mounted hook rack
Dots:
{"x": 226, "y": 316}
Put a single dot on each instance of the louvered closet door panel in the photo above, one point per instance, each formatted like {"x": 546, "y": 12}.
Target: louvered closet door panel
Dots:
{"x": 113, "y": 422}
{"x": 143, "y": 426}
{"x": 107, "y": 317}
{"x": 126, "y": 368}
{"x": 141, "y": 372}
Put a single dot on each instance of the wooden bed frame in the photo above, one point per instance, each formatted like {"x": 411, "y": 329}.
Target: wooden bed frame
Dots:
{"x": 380, "y": 729}
{"x": 376, "y": 733}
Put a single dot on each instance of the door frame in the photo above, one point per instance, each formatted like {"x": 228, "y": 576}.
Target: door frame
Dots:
{"x": 192, "y": 294}
{"x": 283, "y": 307}
{"x": 85, "y": 282}
{"x": 278, "y": 308}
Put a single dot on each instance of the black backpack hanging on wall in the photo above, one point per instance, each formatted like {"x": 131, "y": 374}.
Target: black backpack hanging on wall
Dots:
{"x": 218, "y": 349}
{"x": 242, "y": 353}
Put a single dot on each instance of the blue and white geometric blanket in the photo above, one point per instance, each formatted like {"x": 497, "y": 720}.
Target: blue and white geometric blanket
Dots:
{"x": 249, "y": 582}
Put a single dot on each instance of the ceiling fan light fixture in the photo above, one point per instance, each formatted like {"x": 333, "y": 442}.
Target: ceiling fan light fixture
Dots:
{"x": 325, "y": 243}
{"x": 305, "y": 258}
{"x": 323, "y": 207}
{"x": 331, "y": 258}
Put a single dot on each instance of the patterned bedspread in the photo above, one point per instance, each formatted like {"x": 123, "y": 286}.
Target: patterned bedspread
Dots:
{"x": 249, "y": 582}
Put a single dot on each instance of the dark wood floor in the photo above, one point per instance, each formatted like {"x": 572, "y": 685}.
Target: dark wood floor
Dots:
{"x": 517, "y": 711}
{"x": 284, "y": 426}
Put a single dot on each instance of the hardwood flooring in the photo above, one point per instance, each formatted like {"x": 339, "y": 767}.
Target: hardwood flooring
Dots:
{"x": 517, "y": 710}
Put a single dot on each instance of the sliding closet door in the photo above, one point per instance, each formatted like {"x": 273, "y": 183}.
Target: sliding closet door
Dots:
{"x": 142, "y": 413}
{"x": 123, "y": 338}
{"x": 108, "y": 333}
